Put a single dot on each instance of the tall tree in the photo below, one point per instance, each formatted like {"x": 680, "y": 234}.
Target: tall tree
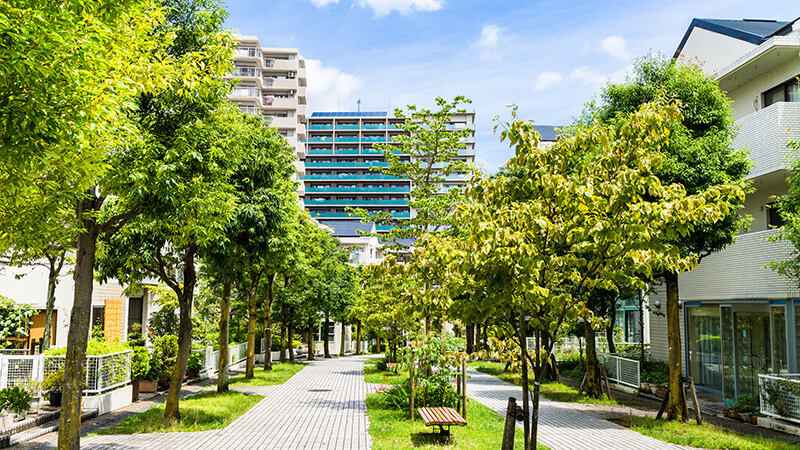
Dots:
{"x": 699, "y": 155}
{"x": 567, "y": 219}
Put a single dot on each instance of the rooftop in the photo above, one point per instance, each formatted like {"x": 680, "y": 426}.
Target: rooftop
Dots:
{"x": 349, "y": 228}
{"x": 754, "y": 31}
{"x": 350, "y": 114}
{"x": 548, "y": 132}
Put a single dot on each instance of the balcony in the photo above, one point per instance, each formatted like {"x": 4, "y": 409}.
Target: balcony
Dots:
{"x": 348, "y": 176}
{"x": 248, "y": 52}
{"x": 300, "y": 168}
{"x": 280, "y": 102}
{"x": 347, "y": 127}
{"x": 355, "y": 203}
{"x": 283, "y": 122}
{"x": 320, "y": 127}
{"x": 320, "y": 151}
{"x": 320, "y": 139}
{"x": 373, "y": 139}
{"x": 281, "y": 64}
{"x": 347, "y": 151}
{"x": 738, "y": 272}
{"x": 373, "y": 127}
{"x": 345, "y": 215}
{"x": 280, "y": 83}
{"x": 346, "y": 138}
{"x": 346, "y": 164}
{"x": 333, "y": 190}
{"x": 767, "y": 133}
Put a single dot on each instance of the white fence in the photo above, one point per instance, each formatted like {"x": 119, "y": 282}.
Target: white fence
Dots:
{"x": 622, "y": 370}
{"x": 209, "y": 358}
{"x": 780, "y": 396}
{"x": 103, "y": 372}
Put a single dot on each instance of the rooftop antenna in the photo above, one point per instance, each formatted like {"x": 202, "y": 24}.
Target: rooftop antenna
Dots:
{"x": 359, "y": 105}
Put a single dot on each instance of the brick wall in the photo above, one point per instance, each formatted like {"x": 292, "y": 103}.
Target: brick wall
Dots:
{"x": 747, "y": 99}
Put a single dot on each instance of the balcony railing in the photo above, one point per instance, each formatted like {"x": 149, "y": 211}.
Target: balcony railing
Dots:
{"x": 346, "y": 164}
{"x": 343, "y": 215}
{"x": 335, "y": 189}
{"x": 347, "y": 127}
{"x": 320, "y": 127}
{"x": 350, "y": 176}
{"x": 355, "y": 202}
{"x": 767, "y": 133}
{"x": 780, "y": 396}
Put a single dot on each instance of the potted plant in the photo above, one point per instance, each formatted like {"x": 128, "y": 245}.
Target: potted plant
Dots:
{"x": 16, "y": 400}
{"x": 34, "y": 389}
{"x": 6, "y": 416}
{"x": 140, "y": 368}
{"x": 193, "y": 367}
{"x": 54, "y": 384}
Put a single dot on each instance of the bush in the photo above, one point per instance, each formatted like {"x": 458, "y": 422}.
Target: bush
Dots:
{"x": 194, "y": 362}
{"x": 140, "y": 364}
{"x": 373, "y": 347}
{"x": 745, "y": 403}
{"x": 54, "y": 382}
{"x": 655, "y": 372}
{"x": 381, "y": 364}
{"x": 165, "y": 354}
{"x": 433, "y": 391}
{"x": 93, "y": 348}
{"x": 15, "y": 399}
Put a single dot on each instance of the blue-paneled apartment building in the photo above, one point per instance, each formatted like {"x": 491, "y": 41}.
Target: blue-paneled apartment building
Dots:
{"x": 340, "y": 154}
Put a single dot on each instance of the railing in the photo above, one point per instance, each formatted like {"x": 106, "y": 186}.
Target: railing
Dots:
{"x": 780, "y": 396}
{"x": 209, "y": 358}
{"x": 622, "y": 370}
{"x": 103, "y": 372}
{"x": 313, "y": 189}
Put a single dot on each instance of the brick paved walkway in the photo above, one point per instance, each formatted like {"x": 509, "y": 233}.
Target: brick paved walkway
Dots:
{"x": 562, "y": 425}
{"x": 321, "y": 407}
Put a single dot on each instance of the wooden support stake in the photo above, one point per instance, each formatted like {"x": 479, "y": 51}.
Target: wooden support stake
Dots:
{"x": 605, "y": 377}
{"x": 411, "y": 388}
{"x": 583, "y": 384}
{"x": 663, "y": 406}
{"x": 464, "y": 388}
{"x": 511, "y": 424}
{"x": 698, "y": 415}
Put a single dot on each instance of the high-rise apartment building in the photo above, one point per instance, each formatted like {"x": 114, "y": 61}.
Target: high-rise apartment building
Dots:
{"x": 339, "y": 157}
{"x": 272, "y": 85}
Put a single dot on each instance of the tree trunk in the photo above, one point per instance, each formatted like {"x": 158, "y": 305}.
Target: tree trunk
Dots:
{"x": 282, "y": 357}
{"x": 485, "y": 337}
{"x": 470, "y": 338}
{"x": 523, "y": 333}
{"x": 612, "y": 317}
{"x": 358, "y": 338}
{"x": 77, "y": 336}
{"x": 250, "y": 365}
{"x": 592, "y": 380}
{"x": 477, "y": 337}
{"x": 324, "y": 337}
{"x": 378, "y": 345}
{"x": 310, "y": 339}
{"x": 676, "y": 397}
{"x": 56, "y": 263}
{"x": 185, "y": 300}
{"x": 268, "y": 321}
{"x": 291, "y": 337}
{"x": 341, "y": 343}
{"x": 224, "y": 320}
{"x": 428, "y": 324}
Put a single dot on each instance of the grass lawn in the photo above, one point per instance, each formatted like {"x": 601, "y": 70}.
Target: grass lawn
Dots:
{"x": 372, "y": 361}
{"x": 373, "y": 375}
{"x": 278, "y": 375}
{"x": 703, "y": 436}
{"x": 553, "y": 390}
{"x": 204, "y": 411}
{"x": 391, "y": 429}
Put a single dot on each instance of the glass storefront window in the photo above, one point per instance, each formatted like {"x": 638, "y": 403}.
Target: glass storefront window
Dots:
{"x": 797, "y": 336}
{"x": 705, "y": 346}
{"x": 780, "y": 362}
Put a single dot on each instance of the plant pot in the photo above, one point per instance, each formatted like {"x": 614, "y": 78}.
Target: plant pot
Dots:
{"x": 20, "y": 416}
{"x": 754, "y": 419}
{"x": 135, "y": 390}
{"x": 654, "y": 389}
{"x": 148, "y": 385}
{"x": 55, "y": 398}
{"x": 6, "y": 421}
{"x": 34, "y": 405}
{"x": 193, "y": 374}
{"x": 163, "y": 384}
{"x": 745, "y": 417}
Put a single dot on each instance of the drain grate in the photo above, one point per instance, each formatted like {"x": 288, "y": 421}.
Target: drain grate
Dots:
{"x": 320, "y": 390}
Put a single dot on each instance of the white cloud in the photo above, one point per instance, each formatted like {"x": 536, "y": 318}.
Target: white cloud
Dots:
{"x": 589, "y": 77}
{"x": 321, "y": 3}
{"x": 547, "y": 79}
{"x": 616, "y": 47}
{"x": 490, "y": 41}
{"x": 383, "y": 8}
{"x": 329, "y": 88}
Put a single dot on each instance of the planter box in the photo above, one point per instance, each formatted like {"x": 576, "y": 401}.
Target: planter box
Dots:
{"x": 148, "y": 385}
{"x": 105, "y": 403}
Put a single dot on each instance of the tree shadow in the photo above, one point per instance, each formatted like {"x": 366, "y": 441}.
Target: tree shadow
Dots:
{"x": 420, "y": 439}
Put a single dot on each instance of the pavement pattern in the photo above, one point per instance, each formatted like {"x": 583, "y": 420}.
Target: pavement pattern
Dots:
{"x": 562, "y": 425}
{"x": 321, "y": 407}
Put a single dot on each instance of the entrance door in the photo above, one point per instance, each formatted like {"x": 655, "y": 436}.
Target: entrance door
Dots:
{"x": 753, "y": 351}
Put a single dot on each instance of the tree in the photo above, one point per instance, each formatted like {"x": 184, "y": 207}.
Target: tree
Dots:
{"x": 15, "y": 319}
{"x": 564, "y": 220}
{"x": 699, "y": 155}
{"x": 789, "y": 208}
{"x": 432, "y": 150}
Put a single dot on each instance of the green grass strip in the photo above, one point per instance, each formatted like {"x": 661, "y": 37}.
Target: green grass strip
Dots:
{"x": 392, "y": 430}
{"x": 200, "y": 412}
{"x": 373, "y": 375}
{"x": 702, "y": 436}
{"x": 279, "y": 374}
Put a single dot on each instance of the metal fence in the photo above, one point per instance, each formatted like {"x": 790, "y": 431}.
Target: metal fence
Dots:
{"x": 209, "y": 358}
{"x": 102, "y": 372}
{"x": 622, "y": 370}
{"x": 780, "y": 396}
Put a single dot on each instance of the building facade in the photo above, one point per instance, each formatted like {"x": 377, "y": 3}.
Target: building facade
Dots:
{"x": 740, "y": 318}
{"x": 339, "y": 158}
{"x": 272, "y": 84}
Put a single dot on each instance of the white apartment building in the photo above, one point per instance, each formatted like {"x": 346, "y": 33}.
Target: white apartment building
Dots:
{"x": 739, "y": 318}
{"x": 272, "y": 84}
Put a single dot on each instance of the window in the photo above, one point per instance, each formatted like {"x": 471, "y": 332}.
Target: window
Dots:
{"x": 774, "y": 219}
{"x": 786, "y": 92}
{"x": 331, "y": 331}
{"x": 98, "y": 317}
{"x": 135, "y": 309}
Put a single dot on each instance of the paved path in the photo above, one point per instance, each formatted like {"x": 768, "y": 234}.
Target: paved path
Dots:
{"x": 321, "y": 407}
{"x": 562, "y": 425}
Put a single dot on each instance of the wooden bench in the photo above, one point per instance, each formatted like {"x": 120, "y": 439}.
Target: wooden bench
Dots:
{"x": 441, "y": 417}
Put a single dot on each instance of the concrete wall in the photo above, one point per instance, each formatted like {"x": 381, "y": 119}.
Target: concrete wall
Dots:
{"x": 712, "y": 50}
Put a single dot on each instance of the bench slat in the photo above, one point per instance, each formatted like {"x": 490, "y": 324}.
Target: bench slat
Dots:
{"x": 441, "y": 416}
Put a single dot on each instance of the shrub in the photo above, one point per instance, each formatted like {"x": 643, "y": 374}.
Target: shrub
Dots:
{"x": 373, "y": 347}
{"x": 655, "y": 372}
{"x": 54, "y": 382}
{"x": 140, "y": 364}
{"x": 194, "y": 362}
{"x": 433, "y": 391}
{"x": 15, "y": 399}
{"x": 165, "y": 354}
{"x": 93, "y": 348}
{"x": 33, "y": 388}
{"x": 745, "y": 403}
{"x": 381, "y": 364}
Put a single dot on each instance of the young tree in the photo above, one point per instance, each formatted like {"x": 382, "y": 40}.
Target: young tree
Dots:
{"x": 565, "y": 220}
{"x": 699, "y": 155}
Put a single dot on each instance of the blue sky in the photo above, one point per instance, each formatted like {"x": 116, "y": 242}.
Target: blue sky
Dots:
{"x": 547, "y": 57}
